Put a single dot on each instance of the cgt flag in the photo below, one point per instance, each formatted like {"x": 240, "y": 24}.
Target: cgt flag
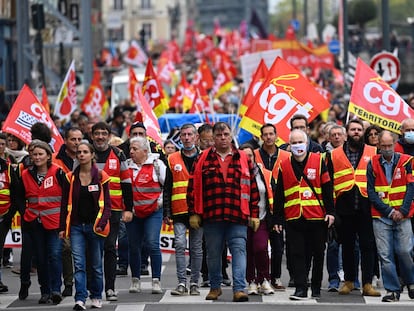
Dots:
{"x": 26, "y": 111}
{"x": 67, "y": 102}
{"x": 284, "y": 92}
{"x": 153, "y": 92}
{"x": 95, "y": 103}
{"x": 374, "y": 100}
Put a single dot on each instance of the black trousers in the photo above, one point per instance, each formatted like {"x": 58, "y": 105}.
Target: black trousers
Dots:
{"x": 306, "y": 242}
{"x": 353, "y": 227}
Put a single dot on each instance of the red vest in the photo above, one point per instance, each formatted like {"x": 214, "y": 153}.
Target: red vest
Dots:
{"x": 391, "y": 194}
{"x": 43, "y": 201}
{"x": 145, "y": 192}
{"x": 5, "y": 191}
{"x": 60, "y": 163}
{"x": 180, "y": 178}
{"x": 345, "y": 177}
{"x": 113, "y": 169}
{"x": 300, "y": 200}
{"x": 244, "y": 183}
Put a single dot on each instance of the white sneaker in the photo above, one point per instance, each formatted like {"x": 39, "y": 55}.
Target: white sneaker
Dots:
{"x": 79, "y": 305}
{"x": 375, "y": 281}
{"x": 96, "y": 303}
{"x": 156, "y": 286}
{"x": 341, "y": 275}
{"x": 135, "y": 286}
{"x": 265, "y": 288}
{"x": 252, "y": 289}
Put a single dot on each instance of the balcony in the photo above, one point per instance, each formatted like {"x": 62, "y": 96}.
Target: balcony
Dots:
{"x": 145, "y": 12}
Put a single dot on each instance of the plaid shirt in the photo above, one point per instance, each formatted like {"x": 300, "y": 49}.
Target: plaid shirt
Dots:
{"x": 221, "y": 198}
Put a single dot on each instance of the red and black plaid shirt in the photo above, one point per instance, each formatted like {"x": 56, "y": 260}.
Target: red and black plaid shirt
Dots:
{"x": 221, "y": 198}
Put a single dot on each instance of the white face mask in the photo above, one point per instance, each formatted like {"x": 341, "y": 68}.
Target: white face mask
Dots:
{"x": 298, "y": 149}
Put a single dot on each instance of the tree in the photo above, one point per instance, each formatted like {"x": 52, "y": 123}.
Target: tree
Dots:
{"x": 362, "y": 11}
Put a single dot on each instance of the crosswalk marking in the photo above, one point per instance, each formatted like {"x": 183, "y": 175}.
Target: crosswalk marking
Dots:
{"x": 168, "y": 298}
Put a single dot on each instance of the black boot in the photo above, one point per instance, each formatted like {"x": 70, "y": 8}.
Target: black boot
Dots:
{"x": 24, "y": 290}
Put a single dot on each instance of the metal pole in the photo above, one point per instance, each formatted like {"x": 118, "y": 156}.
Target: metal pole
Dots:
{"x": 305, "y": 18}
{"x": 22, "y": 24}
{"x": 320, "y": 20}
{"x": 385, "y": 25}
{"x": 86, "y": 32}
{"x": 294, "y": 9}
{"x": 345, "y": 32}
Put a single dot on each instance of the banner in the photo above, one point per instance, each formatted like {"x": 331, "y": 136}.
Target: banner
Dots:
{"x": 375, "y": 101}
{"x": 250, "y": 62}
{"x": 284, "y": 92}
{"x": 258, "y": 77}
{"x": 26, "y": 111}
{"x": 66, "y": 101}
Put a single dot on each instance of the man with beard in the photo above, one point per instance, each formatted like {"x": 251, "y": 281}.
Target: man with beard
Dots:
{"x": 347, "y": 166}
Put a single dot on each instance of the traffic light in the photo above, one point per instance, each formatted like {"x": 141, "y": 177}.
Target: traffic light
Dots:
{"x": 38, "y": 16}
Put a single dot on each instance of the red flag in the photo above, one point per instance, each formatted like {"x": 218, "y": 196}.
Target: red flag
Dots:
{"x": 203, "y": 76}
{"x": 26, "y": 111}
{"x": 67, "y": 101}
{"x": 153, "y": 92}
{"x": 135, "y": 56}
{"x": 284, "y": 92}
{"x": 133, "y": 86}
{"x": 94, "y": 103}
{"x": 222, "y": 84}
{"x": 374, "y": 100}
{"x": 45, "y": 101}
{"x": 258, "y": 77}
{"x": 166, "y": 68}
{"x": 201, "y": 100}
{"x": 149, "y": 118}
{"x": 178, "y": 100}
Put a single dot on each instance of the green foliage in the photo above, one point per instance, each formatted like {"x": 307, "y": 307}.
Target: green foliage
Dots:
{"x": 362, "y": 11}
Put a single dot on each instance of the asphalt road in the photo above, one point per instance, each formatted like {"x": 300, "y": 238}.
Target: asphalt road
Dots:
{"x": 165, "y": 302}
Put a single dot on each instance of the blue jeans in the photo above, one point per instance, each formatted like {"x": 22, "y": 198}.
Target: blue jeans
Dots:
{"x": 332, "y": 263}
{"x": 235, "y": 235}
{"x": 394, "y": 238}
{"x": 47, "y": 248}
{"x": 122, "y": 246}
{"x": 196, "y": 252}
{"x": 82, "y": 237}
{"x": 148, "y": 228}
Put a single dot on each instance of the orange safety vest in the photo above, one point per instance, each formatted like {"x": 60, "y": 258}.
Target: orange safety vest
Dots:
{"x": 300, "y": 200}
{"x": 145, "y": 191}
{"x": 60, "y": 163}
{"x": 43, "y": 202}
{"x": 113, "y": 169}
{"x": 281, "y": 156}
{"x": 5, "y": 191}
{"x": 345, "y": 177}
{"x": 268, "y": 182}
{"x": 180, "y": 176}
{"x": 101, "y": 203}
{"x": 391, "y": 194}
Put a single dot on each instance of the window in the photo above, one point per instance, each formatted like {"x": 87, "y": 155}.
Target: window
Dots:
{"x": 145, "y": 4}
{"x": 118, "y": 4}
{"x": 148, "y": 30}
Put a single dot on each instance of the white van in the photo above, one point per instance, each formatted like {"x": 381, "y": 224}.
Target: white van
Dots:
{"x": 119, "y": 87}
